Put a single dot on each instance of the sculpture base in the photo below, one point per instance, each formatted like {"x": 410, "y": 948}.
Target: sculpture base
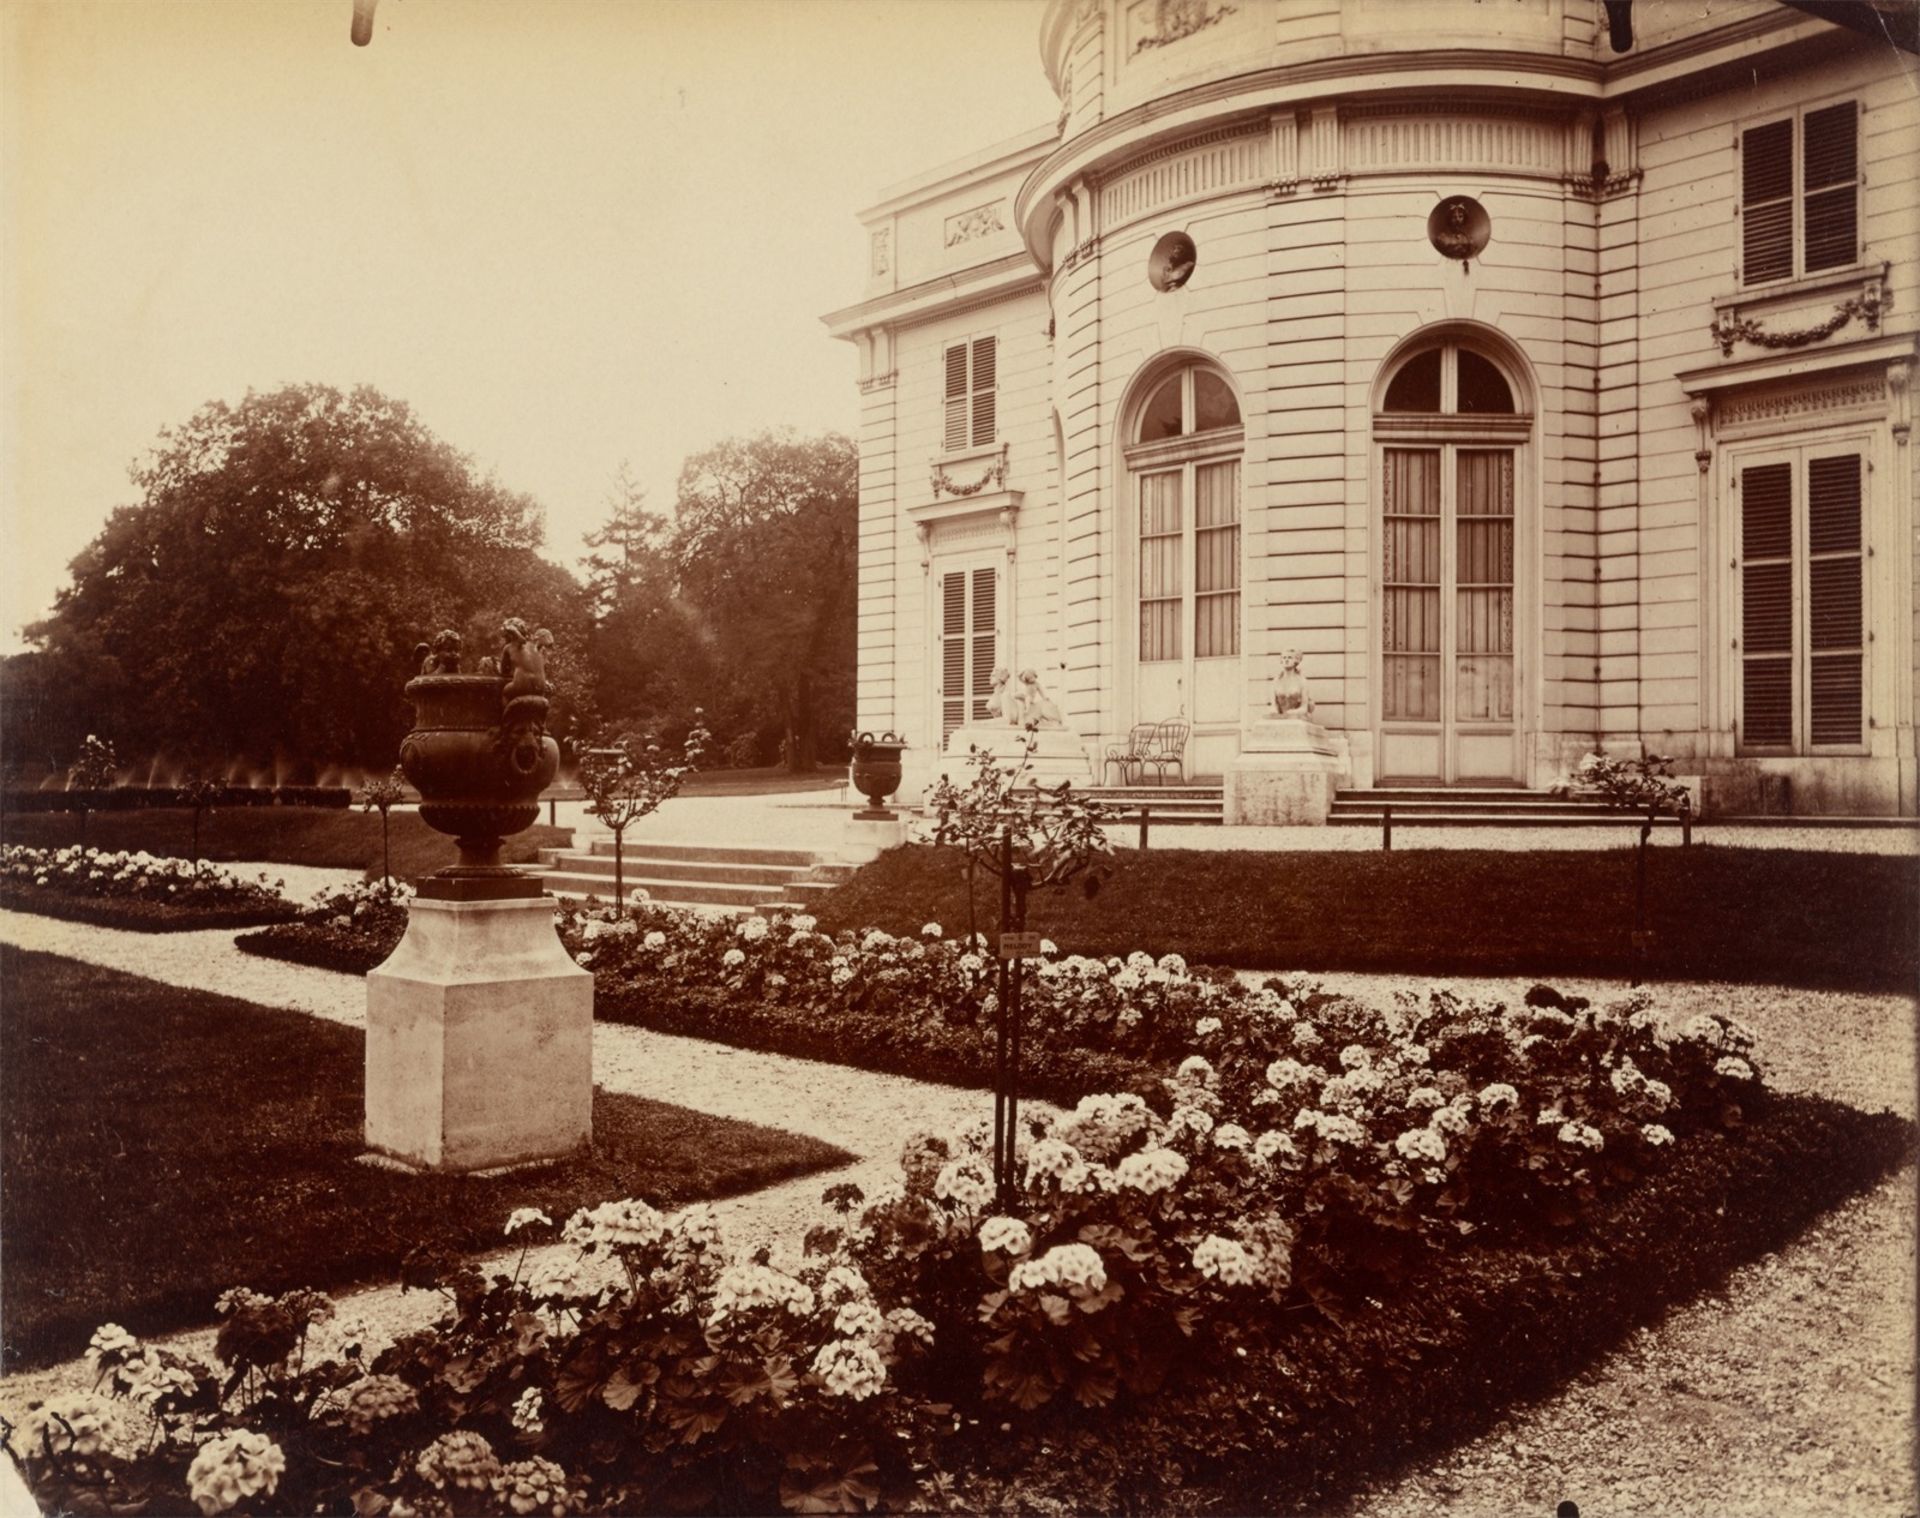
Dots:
{"x": 479, "y": 1040}
{"x": 1284, "y": 775}
{"x": 872, "y": 831}
{"x": 469, "y": 883}
{"x": 1057, "y": 755}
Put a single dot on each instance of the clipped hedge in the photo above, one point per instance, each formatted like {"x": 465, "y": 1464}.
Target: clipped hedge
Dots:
{"x": 137, "y": 798}
{"x": 137, "y": 915}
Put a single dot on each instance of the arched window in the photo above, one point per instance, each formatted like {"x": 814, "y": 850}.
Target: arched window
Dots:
{"x": 1451, "y": 437}
{"x": 1182, "y": 534}
{"x": 1185, "y": 462}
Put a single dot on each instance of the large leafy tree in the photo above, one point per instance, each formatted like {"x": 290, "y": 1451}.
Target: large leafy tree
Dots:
{"x": 286, "y": 554}
{"x": 763, "y": 550}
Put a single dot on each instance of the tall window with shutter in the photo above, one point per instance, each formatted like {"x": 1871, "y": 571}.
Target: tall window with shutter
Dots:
{"x": 971, "y": 393}
{"x": 1802, "y": 601}
{"x": 969, "y": 646}
{"x": 1800, "y": 194}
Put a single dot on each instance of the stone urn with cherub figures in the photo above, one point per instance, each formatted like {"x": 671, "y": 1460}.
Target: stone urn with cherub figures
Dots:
{"x": 480, "y": 1024}
{"x": 480, "y": 756}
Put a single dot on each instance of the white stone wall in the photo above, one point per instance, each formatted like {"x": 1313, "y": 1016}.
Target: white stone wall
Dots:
{"x": 1306, "y": 190}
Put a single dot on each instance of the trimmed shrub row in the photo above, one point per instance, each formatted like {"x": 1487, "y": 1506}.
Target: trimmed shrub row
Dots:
{"x": 137, "y": 915}
{"x": 135, "y": 798}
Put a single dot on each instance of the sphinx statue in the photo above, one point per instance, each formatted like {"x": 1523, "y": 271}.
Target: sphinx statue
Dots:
{"x": 1291, "y": 698}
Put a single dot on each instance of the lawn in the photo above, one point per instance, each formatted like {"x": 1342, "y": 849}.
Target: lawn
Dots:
{"x": 347, "y": 840}
{"x": 1769, "y": 915}
{"x": 159, "y": 1145}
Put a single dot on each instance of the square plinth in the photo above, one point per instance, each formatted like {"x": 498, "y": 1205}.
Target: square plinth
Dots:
{"x": 479, "y": 1040}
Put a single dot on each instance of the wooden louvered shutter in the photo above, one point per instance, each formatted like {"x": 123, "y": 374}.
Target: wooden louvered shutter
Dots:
{"x": 985, "y": 644}
{"x": 1766, "y": 202}
{"x": 985, "y": 378}
{"x": 953, "y": 654}
{"x": 1766, "y": 601}
{"x": 969, "y": 646}
{"x": 1835, "y": 620}
{"x": 1830, "y": 166}
{"x": 956, "y": 397}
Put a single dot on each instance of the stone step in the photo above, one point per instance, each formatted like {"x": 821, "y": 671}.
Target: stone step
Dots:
{"x": 705, "y": 853}
{"x": 1346, "y": 806}
{"x": 676, "y": 869}
{"x": 670, "y": 892}
{"x": 1495, "y": 819}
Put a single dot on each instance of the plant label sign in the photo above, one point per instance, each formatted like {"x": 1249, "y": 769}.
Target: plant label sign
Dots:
{"x": 1019, "y": 945}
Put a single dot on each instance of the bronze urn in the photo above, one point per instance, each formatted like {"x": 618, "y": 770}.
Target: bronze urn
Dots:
{"x": 479, "y": 755}
{"x": 876, "y": 770}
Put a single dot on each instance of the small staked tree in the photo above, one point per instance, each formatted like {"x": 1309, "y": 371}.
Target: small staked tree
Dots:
{"x": 94, "y": 770}
{"x": 198, "y": 794}
{"x": 1029, "y": 837}
{"x": 625, "y": 780}
{"x": 382, "y": 796}
{"x": 1643, "y": 787}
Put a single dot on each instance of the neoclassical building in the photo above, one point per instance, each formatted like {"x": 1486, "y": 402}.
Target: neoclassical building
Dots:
{"x": 1546, "y": 394}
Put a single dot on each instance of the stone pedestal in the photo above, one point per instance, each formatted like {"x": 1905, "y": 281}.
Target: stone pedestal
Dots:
{"x": 1284, "y": 776}
{"x": 871, "y": 831}
{"x": 1058, "y": 754}
{"x": 479, "y": 1039}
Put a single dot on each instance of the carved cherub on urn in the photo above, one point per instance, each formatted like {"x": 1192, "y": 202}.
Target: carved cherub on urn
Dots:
{"x": 480, "y": 756}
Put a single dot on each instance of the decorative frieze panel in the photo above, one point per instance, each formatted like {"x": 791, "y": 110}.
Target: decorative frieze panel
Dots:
{"x": 1393, "y": 143}
{"x": 1798, "y": 402}
{"x": 1211, "y": 165}
{"x": 981, "y": 221}
{"x": 882, "y": 251}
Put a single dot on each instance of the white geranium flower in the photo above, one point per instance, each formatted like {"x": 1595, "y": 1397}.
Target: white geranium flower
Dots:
{"x": 526, "y": 1217}
{"x": 850, "y": 1368}
{"x": 1005, "y": 1236}
{"x": 1225, "y": 1260}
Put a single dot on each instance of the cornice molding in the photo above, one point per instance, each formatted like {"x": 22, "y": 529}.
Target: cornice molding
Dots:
{"x": 949, "y": 294}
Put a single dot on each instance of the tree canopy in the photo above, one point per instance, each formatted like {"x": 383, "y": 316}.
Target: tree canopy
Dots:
{"x": 262, "y": 597}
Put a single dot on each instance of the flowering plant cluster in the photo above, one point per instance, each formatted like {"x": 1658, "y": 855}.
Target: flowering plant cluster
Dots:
{"x": 1290, "y": 1168}
{"x": 1631, "y": 785}
{"x": 366, "y": 906}
{"x": 80, "y": 871}
{"x": 639, "y": 1364}
{"x": 927, "y": 989}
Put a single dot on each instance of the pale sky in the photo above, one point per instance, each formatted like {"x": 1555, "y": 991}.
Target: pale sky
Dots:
{"x": 566, "y": 233}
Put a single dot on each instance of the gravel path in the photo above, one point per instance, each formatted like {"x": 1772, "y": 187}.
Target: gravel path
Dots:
{"x": 1789, "y": 1392}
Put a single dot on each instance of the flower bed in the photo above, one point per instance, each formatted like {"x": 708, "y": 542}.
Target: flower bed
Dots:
{"x": 351, "y": 930}
{"x": 135, "y": 890}
{"x": 1337, "y": 1236}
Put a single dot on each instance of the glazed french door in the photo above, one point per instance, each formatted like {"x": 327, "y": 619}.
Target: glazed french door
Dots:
{"x": 967, "y": 645}
{"x": 1447, "y": 677}
{"x": 1188, "y": 653}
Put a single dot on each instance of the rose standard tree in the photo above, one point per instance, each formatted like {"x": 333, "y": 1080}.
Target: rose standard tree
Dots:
{"x": 1028, "y": 837}
{"x": 626, "y": 780}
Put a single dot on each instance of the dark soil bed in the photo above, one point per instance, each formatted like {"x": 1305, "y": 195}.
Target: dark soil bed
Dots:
{"x": 138, "y": 914}
{"x": 158, "y": 1146}
{"x": 351, "y": 951}
{"x": 1774, "y": 915}
{"x": 1353, "y": 1398}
